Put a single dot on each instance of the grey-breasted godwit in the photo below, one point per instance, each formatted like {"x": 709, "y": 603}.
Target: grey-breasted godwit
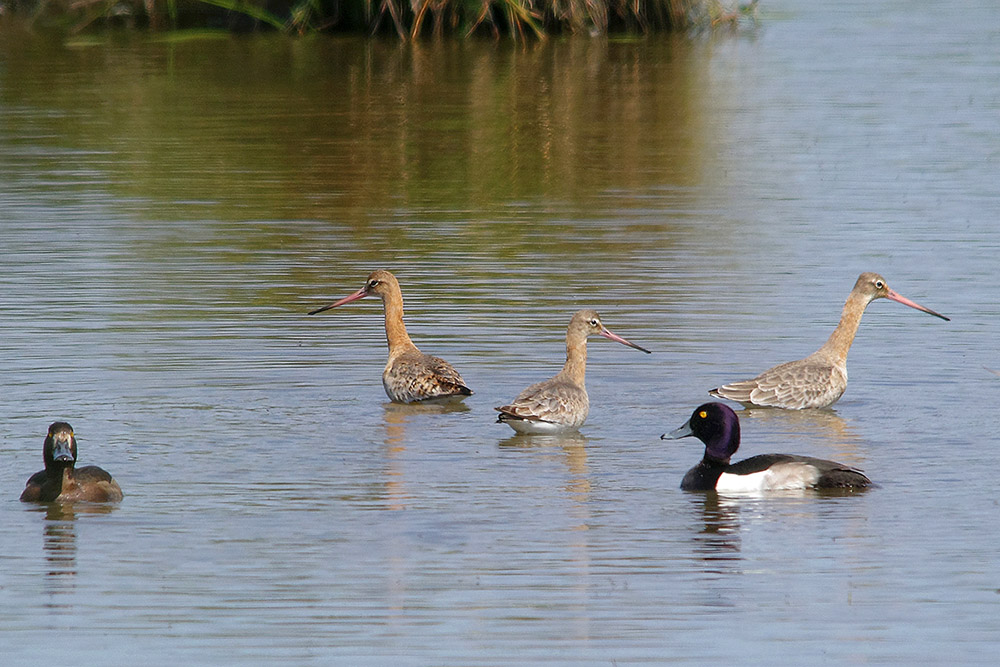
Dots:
{"x": 560, "y": 403}
{"x": 821, "y": 378}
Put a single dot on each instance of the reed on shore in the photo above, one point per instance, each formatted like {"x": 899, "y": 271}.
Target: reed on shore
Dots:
{"x": 409, "y": 19}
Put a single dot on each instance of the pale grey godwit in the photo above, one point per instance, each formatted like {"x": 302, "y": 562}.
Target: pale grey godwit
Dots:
{"x": 409, "y": 375}
{"x": 560, "y": 403}
{"x": 821, "y": 378}
{"x": 718, "y": 427}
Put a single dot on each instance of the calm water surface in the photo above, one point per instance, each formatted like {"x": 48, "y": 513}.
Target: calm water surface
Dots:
{"x": 170, "y": 212}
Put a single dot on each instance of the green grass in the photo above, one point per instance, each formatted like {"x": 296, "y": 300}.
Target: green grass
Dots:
{"x": 408, "y": 19}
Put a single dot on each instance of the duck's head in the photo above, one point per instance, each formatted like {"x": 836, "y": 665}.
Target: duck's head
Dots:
{"x": 714, "y": 424}
{"x": 587, "y": 323}
{"x": 60, "y": 446}
{"x": 381, "y": 283}
{"x": 873, "y": 286}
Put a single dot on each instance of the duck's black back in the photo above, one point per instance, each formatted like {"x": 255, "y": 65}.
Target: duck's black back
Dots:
{"x": 832, "y": 475}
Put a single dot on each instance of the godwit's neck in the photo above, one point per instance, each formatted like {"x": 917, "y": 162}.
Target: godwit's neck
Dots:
{"x": 575, "y": 368}
{"x": 395, "y": 331}
{"x": 839, "y": 342}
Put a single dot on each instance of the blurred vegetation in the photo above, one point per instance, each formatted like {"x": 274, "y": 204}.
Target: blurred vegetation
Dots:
{"x": 409, "y": 19}
{"x": 347, "y": 130}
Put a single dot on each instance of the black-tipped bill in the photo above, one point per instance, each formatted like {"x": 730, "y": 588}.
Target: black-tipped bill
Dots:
{"x": 895, "y": 296}
{"x": 61, "y": 450}
{"x": 681, "y": 432}
{"x": 618, "y": 339}
{"x": 360, "y": 294}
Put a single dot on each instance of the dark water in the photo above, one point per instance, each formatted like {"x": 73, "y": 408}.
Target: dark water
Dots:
{"x": 170, "y": 211}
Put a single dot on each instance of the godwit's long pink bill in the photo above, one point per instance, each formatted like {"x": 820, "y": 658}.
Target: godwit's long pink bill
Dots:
{"x": 618, "y": 339}
{"x": 890, "y": 294}
{"x": 360, "y": 294}
{"x": 409, "y": 375}
{"x": 820, "y": 379}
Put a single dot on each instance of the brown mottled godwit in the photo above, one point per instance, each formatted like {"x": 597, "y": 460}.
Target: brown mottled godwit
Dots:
{"x": 409, "y": 375}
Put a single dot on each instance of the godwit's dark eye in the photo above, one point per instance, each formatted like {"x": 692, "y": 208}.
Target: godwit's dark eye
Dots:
{"x": 373, "y": 283}
{"x": 879, "y": 284}
{"x": 595, "y": 323}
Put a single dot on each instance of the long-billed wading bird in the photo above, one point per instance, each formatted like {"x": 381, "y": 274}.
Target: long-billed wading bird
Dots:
{"x": 560, "y": 403}
{"x": 820, "y": 379}
{"x": 409, "y": 375}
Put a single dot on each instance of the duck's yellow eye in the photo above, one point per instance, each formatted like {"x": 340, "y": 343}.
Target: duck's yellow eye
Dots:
{"x": 703, "y": 414}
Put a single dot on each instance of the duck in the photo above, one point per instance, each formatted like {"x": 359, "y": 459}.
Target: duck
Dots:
{"x": 409, "y": 375}
{"x": 717, "y": 425}
{"x": 561, "y": 403}
{"x": 819, "y": 380}
{"x": 62, "y": 481}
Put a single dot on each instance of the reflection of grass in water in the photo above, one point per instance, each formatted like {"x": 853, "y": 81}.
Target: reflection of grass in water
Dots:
{"x": 197, "y": 35}
{"x": 519, "y": 19}
{"x": 431, "y": 134}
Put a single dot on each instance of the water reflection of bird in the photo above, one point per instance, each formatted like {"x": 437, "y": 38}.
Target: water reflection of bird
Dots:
{"x": 718, "y": 543}
{"x": 820, "y": 379}
{"x": 572, "y": 444}
{"x": 718, "y": 427}
{"x": 561, "y": 402}
{"x": 826, "y": 426}
{"x": 60, "y": 545}
{"x": 410, "y": 375}
{"x": 61, "y": 480}
{"x": 59, "y": 542}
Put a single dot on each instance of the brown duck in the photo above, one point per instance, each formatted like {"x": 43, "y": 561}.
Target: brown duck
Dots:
{"x": 62, "y": 481}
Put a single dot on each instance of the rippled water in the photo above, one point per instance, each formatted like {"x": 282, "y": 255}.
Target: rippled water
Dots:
{"x": 169, "y": 213}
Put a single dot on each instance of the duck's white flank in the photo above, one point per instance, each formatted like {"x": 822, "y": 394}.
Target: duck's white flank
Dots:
{"x": 780, "y": 477}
